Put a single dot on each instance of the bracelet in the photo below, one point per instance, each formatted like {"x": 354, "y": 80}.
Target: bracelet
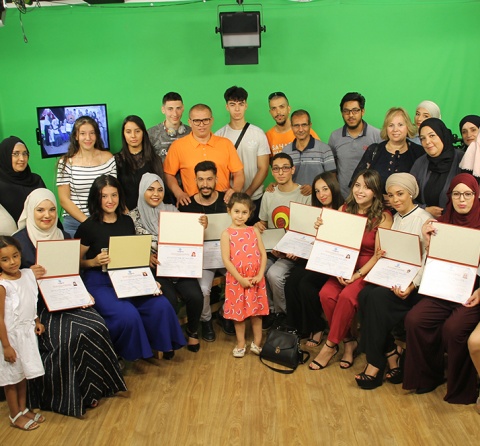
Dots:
{"x": 359, "y": 272}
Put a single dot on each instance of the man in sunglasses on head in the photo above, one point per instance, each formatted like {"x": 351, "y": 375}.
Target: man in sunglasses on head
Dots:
{"x": 202, "y": 145}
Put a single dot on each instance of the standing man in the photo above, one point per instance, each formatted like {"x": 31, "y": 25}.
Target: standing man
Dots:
{"x": 310, "y": 156}
{"x": 162, "y": 135}
{"x": 202, "y": 145}
{"x": 281, "y": 133}
{"x": 251, "y": 144}
{"x": 349, "y": 142}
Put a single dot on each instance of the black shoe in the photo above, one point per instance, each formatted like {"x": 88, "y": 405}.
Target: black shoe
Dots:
{"x": 268, "y": 320}
{"x": 168, "y": 355}
{"x": 280, "y": 319}
{"x": 192, "y": 347}
{"x": 208, "y": 333}
{"x": 227, "y": 325}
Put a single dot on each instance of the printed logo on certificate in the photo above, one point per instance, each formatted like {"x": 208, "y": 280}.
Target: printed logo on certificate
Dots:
{"x": 61, "y": 287}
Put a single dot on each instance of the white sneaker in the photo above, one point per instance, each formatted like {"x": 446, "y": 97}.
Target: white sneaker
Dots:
{"x": 255, "y": 348}
{"x": 239, "y": 352}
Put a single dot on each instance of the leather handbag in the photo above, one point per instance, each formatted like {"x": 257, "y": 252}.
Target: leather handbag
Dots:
{"x": 282, "y": 347}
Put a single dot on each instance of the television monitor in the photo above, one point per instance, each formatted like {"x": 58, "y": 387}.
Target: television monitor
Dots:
{"x": 55, "y": 125}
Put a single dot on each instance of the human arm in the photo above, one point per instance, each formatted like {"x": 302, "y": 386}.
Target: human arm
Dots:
{"x": 9, "y": 354}
{"x": 101, "y": 259}
{"x": 427, "y": 231}
{"x": 38, "y": 271}
{"x": 474, "y": 299}
{"x": 203, "y": 220}
{"x": 263, "y": 259}
{"x": 64, "y": 194}
{"x": 306, "y": 190}
{"x": 261, "y": 225}
{"x": 39, "y": 327}
{"x": 434, "y": 211}
{"x": 259, "y": 178}
{"x": 238, "y": 179}
{"x": 181, "y": 196}
{"x": 225, "y": 250}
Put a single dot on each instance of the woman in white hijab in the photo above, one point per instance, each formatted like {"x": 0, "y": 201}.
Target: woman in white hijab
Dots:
{"x": 425, "y": 110}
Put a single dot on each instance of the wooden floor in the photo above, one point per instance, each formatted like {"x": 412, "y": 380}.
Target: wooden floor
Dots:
{"x": 211, "y": 398}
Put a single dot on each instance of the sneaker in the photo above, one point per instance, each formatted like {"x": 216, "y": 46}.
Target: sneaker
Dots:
{"x": 268, "y": 320}
{"x": 208, "y": 333}
{"x": 239, "y": 352}
{"x": 227, "y": 325}
{"x": 254, "y": 348}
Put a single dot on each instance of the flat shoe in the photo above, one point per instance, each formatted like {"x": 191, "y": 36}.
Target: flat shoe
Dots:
{"x": 239, "y": 352}
{"x": 30, "y": 425}
{"x": 38, "y": 418}
{"x": 255, "y": 349}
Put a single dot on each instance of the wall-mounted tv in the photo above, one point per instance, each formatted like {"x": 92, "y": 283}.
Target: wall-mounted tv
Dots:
{"x": 55, "y": 124}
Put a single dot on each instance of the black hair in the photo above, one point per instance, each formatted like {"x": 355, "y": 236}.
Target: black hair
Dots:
{"x": 354, "y": 96}
{"x": 301, "y": 112}
{"x": 6, "y": 240}
{"x": 283, "y": 156}
{"x": 235, "y": 94}
{"x": 332, "y": 183}
{"x": 203, "y": 166}
{"x": 95, "y": 197}
{"x": 172, "y": 96}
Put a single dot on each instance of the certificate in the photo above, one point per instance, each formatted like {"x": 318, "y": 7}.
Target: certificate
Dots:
{"x": 401, "y": 262}
{"x": 271, "y": 237}
{"x": 129, "y": 251}
{"x": 334, "y": 260}
{"x": 180, "y": 261}
{"x": 217, "y": 223}
{"x": 131, "y": 282}
{"x": 212, "y": 255}
{"x": 61, "y": 287}
{"x": 296, "y": 243}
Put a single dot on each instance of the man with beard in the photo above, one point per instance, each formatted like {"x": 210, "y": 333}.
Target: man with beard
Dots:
{"x": 208, "y": 201}
{"x": 349, "y": 142}
{"x": 281, "y": 133}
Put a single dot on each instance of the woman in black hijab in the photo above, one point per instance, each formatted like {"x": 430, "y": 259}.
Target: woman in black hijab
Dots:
{"x": 435, "y": 170}
{"x": 16, "y": 178}
{"x": 469, "y": 127}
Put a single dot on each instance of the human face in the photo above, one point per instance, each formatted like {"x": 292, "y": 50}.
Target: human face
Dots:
{"x": 206, "y": 182}
{"x": 282, "y": 171}
{"x": 45, "y": 215}
{"x": 10, "y": 260}
{"x": 431, "y": 142}
{"x": 86, "y": 137}
{"x": 202, "y": 130}
{"x": 362, "y": 194}
{"x": 154, "y": 194}
{"x": 236, "y": 109}
{"x": 280, "y": 110}
{"x": 301, "y": 127}
{"x": 133, "y": 135}
{"x": 469, "y": 133}
{"x": 420, "y": 115}
{"x": 323, "y": 193}
{"x": 110, "y": 200}
{"x": 400, "y": 199}
{"x": 461, "y": 204}
{"x": 173, "y": 111}
{"x": 19, "y": 157}
{"x": 397, "y": 130}
{"x": 352, "y": 114}
{"x": 239, "y": 213}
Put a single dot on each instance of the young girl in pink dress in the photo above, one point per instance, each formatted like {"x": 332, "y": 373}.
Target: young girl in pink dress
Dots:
{"x": 245, "y": 259}
{"x": 19, "y": 356}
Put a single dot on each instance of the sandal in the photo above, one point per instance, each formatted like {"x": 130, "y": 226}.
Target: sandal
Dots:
{"x": 354, "y": 355}
{"x": 321, "y": 366}
{"x": 311, "y": 342}
{"x": 239, "y": 352}
{"x": 193, "y": 347}
{"x": 395, "y": 375}
{"x": 37, "y": 417}
{"x": 30, "y": 425}
{"x": 369, "y": 382}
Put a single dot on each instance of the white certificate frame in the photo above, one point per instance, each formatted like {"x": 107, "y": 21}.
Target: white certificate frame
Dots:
{"x": 133, "y": 282}
{"x": 296, "y": 243}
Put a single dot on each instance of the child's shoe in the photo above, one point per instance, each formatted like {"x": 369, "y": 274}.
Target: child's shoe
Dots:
{"x": 254, "y": 348}
{"x": 239, "y": 352}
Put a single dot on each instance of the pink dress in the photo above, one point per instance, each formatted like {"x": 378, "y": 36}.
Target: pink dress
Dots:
{"x": 241, "y": 303}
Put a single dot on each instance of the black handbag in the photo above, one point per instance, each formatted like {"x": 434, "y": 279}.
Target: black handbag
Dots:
{"x": 282, "y": 347}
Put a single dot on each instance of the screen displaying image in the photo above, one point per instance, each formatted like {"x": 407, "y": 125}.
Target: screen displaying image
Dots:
{"x": 55, "y": 125}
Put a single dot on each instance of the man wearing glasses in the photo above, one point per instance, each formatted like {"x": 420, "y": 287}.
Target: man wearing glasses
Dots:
{"x": 202, "y": 145}
{"x": 275, "y": 213}
{"x": 281, "y": 133}
{"x": 349, "y": 142}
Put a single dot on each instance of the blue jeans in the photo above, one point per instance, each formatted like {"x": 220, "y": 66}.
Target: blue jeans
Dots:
{"x": 70, "y": 225}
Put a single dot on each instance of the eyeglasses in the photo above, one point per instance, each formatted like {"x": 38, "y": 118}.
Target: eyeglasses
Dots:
{"x": 275, "y": 94}
{"x": 300, "y": 126}
{"x": 204, "y": 121}
{"x": 20, "y": 154}
{"x": 277, "y": 169}
{"x": 466, "y": 195}
{"x": 353, "y": 111}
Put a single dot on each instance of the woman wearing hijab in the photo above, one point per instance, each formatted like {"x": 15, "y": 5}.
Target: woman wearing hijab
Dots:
{"x": 425, "y": 110}
{"x": 435, "y": 326}
{"x": 146, "y": 217}
{"x": 80, "y": 364}
{"x": 435, "y": 170}
{"x": 16, "y": 178}
{"x": 471, "y": 160}
{"x": 380, "y": 308}
{"x": 469, "y": 126}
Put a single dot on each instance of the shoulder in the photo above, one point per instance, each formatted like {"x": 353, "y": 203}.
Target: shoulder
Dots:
{"x": 221, "y": 131}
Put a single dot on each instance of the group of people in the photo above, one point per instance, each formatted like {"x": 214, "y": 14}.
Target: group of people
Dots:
{"x": 382, "y": 175}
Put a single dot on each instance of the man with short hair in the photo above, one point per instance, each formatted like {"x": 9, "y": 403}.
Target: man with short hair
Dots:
{"x": 201, "y": 145}
{"x": 310, "y": 156}
{"x": 164, "y": 134}
{"x": 349, "y": 142}
{"x": 281, "y": 133}
{"x": 275, "y": 213}
{"x": 251, "y": 144}
{"x": 208, "y": 201}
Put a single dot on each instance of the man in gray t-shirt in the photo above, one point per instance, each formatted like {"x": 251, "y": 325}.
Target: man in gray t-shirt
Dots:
{"x": 349, "y": 142}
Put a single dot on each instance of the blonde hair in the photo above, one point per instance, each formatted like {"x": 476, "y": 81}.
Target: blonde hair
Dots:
{"x": 411, "y": 129}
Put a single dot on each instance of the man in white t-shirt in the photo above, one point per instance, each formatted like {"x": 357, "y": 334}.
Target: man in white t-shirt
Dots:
{"x": 251, "y": 144}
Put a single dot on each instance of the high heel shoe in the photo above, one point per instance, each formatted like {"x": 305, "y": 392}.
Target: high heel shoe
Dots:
{"x": 396, "y": 374}
{"x": 192, "y": 347}
{"x": 321, "y": 366}
{"x": 168, "y": 355}
{"x": 370, "y": 382}
{"x": 354, "y": 355}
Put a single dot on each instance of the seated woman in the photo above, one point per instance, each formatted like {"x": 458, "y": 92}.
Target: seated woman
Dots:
{"x": 339, "y": 296}
{"x": 471, "y": 160}
{"x": 16, "y": 178}
{"x": 146, "y": 216}
{"x": 138, "y": 324}
{"x": 424, "y": 110}
{"x": 474, "y": 340}
{"x": 73, "y": 380}
{"x": 136, "y": 157}
{"x": 304, "y": 311}
{"x": 469, "y": 126}
{"x": 380, "y": 308}
{"x": 435, "y": 326}
{"x": 436, "y": 168}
